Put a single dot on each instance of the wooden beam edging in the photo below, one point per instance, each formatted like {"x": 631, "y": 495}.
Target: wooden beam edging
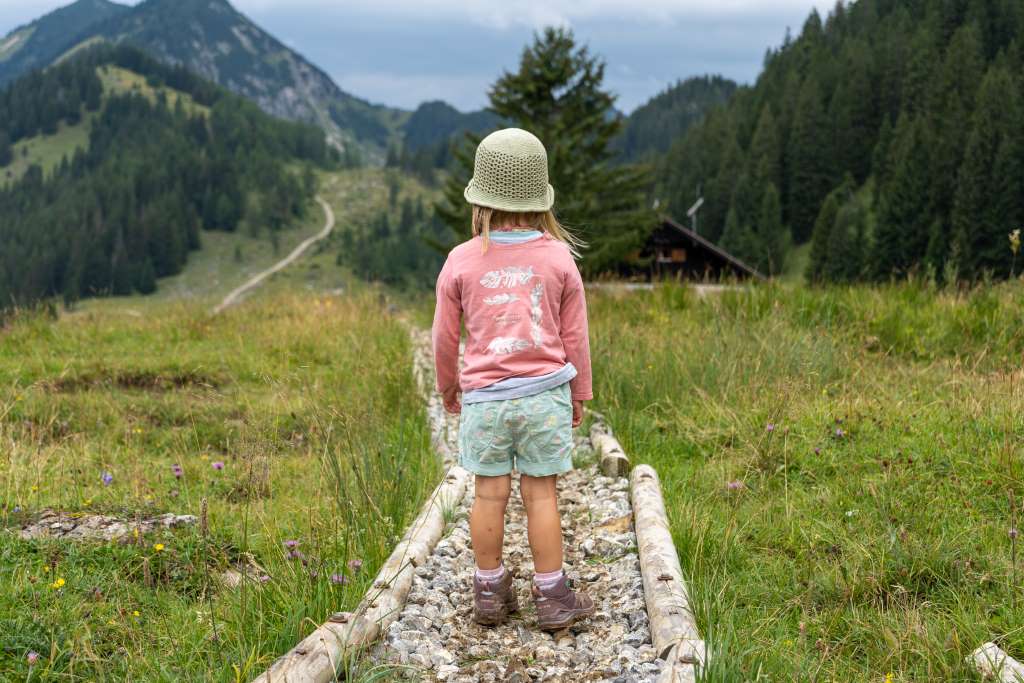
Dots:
{"x": 319, "y": 656}
{"x": 613, "y": 460}
{"x": 993, "y": 663}
{"x": 673, "y": 627}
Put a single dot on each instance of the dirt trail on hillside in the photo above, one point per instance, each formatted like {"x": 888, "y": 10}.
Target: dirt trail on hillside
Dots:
{"x": 235, "y": 296}
{"x": 434, "y": 637}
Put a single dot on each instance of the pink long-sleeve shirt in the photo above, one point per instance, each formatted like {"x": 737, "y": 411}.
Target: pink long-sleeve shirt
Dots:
{"x": 525, "y": 314}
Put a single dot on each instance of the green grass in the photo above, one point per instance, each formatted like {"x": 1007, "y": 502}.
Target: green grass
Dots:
{"x": 14, "y": 42}
{"x": 47, "y": 151}
{"x": 309, "y": 403}
{"x": 868, "y": 530}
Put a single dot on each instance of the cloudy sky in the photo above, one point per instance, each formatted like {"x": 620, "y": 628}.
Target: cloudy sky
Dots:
{"x": 402, "y": 52}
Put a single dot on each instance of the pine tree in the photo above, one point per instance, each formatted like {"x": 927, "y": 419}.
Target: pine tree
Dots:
{"x": 820, "y": 239}
{"x": 557, "y": 94}
{"x": 765, "y": 150}
{"x": 145, "y": 282}
{"x": 809, "y": 161}
{"x": 6, "y": 152}
{"x": 772, "y": 235}
{"x": 981, "y": 217}
{"x": 904, "y": 221}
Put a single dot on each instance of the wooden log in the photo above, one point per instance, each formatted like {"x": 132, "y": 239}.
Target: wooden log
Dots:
{"x": 673, "y": 627}
{"x": 613, "y": 460}
{"x": 318, "y": 658}
{"x": 993, "y": 663}
{"x": 676, "y": 670}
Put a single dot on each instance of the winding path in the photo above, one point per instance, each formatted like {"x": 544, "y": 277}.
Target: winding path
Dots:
{"x": 253, "y": 282}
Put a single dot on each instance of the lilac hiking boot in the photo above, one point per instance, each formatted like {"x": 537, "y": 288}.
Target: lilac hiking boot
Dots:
{"x": 493, "y": 601}
{"x": 559, "y": 607}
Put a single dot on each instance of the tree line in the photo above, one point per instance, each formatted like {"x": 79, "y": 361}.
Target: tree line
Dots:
{"x": 128, "y": 209}
{"x": 888, "y": 136}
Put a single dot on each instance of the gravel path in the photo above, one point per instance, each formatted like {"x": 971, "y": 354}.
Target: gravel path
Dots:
{"x": 255, "y": 281}
{"x": 434, "y": 638}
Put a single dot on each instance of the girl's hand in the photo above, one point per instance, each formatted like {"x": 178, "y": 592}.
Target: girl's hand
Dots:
{"x": 450, "y": 398}
{"x": 577, "y": 413}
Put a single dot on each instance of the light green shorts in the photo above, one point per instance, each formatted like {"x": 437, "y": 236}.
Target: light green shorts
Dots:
{"x": 532, "y": 434}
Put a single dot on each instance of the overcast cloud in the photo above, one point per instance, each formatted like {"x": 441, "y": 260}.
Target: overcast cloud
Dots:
{"x": 402, "y": 52}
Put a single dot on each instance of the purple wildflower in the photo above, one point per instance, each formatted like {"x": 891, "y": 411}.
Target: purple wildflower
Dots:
{"x": 355, "y": 565}
{"x": 17, "y": 508}
{"x": 32, "y": 657}
{"x": 291, "y": 545}
{"x": 817, "y": 451}
{"x": 840, "y": 433}
{"x": 339, "y": 579}
{"x": 107, "y": 478}
{"x": 264, "y": 578}
{"x": 313, "y": 573}
{"x": 177, "y": 471}
{"x": 735, "y": 485}
{"x": 770, "y": 428}
{"x": 217, "y": 465}
{"x": 1013, "y": 532}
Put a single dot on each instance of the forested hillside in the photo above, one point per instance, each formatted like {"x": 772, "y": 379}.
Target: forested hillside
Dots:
{"x": 652, "y": 127}
{"x": 113, "y": 218}
{"x": 905, "y": 116}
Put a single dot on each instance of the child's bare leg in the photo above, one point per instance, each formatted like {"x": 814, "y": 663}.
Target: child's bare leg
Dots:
{"x": 487, "y": 519}
{"x": 544, "y": 524}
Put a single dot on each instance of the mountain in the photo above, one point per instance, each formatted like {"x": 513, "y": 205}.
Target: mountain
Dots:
{"x": 216, "y": 41}
{"x": 651, "y": 128}
{"x": 38, "y": 44}
{"x": 168, "y": 155}
{"x": 437, "y": 122}
{"x": 887, "y": 134}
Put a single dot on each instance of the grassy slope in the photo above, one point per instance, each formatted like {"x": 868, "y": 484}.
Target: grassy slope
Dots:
{"x": 868, "y": 533}
{"x": 13, "y": 42}
{"x": 47, "y": 151}
{"x": 288, "y": 370}
{"x": 310, "y": 404}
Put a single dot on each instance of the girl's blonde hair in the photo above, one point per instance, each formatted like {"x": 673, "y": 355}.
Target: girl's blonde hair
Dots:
{"x": 485, "y": 217}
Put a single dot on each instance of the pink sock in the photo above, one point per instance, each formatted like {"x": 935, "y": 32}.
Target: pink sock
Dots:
{"x": 490, "y": 574}
{"x": 547, "y": 579}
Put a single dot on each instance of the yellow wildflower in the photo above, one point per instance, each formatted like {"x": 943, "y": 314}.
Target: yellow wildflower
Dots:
{"x": 46, "y": 569}
{"x": 159, "y": 547}
{"x": 888, "y": 677}
{"x": 136, "y": 613}
{"x": 34, "y": 488}
{"x": 59, "y": 583}
{"x": 88, "y": 502}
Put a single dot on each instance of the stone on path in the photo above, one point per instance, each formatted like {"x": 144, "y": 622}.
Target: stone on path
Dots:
{"x": 79, "y": 526}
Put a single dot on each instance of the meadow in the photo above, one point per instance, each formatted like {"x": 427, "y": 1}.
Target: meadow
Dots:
{"x": 840, "y": 466}
{"x": 292, "y": 421}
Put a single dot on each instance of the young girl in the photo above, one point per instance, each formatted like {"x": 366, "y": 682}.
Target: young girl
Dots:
{"x": 526, "y": 369}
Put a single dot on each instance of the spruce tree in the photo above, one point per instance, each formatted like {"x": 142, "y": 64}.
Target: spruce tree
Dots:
{"x": 904, "y": 222}
{"x": 557, "y": 93}
{"x": 772, "y": 236}
{"x": 820, "y": 240}
{"x": 6, "y": 152}
{"x": 981, "y": 216}
{"x": 809, "y": 161}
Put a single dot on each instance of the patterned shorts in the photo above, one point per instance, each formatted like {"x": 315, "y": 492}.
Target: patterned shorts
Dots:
{"x": 532, "y": 434}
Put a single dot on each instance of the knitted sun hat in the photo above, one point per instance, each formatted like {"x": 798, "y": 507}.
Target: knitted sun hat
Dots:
{"x": 511, "y": 173}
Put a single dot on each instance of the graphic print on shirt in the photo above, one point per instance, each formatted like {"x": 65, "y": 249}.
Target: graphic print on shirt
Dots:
{"x": 505, "y": 345}
{"x": 536, "y": 315}
{"x": 501, "y": 299}
{"x": 509, "y": 277}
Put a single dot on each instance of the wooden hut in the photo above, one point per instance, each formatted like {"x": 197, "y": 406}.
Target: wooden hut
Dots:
{"x": 675, "y": 252}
